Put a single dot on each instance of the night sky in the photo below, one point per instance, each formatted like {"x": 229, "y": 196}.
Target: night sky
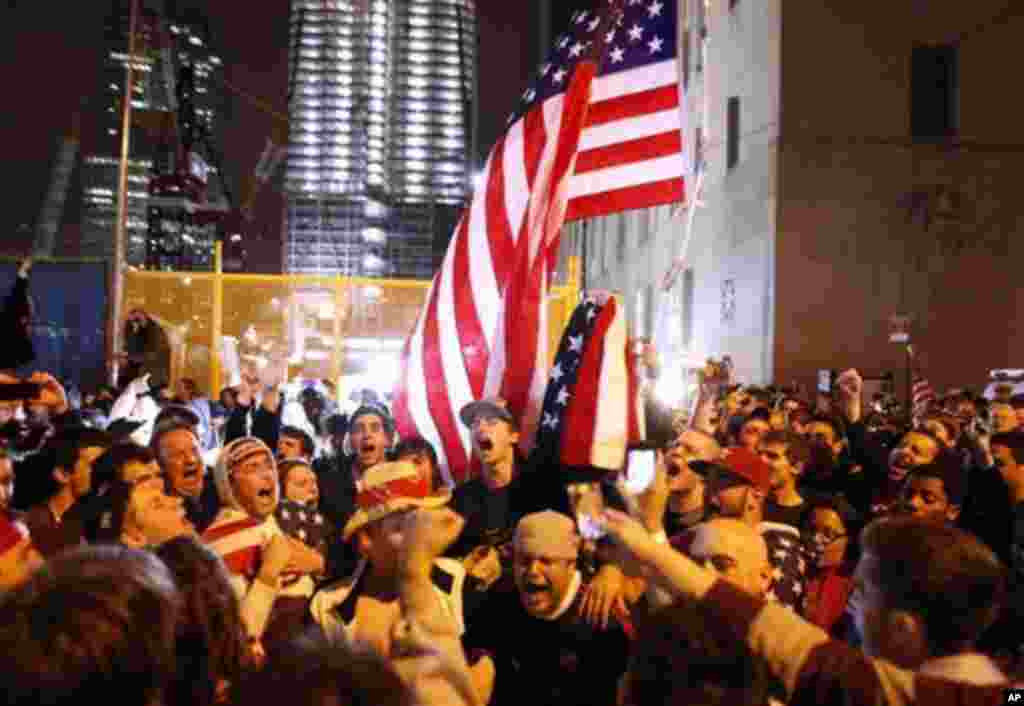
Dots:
{"x": 53, "y": 56}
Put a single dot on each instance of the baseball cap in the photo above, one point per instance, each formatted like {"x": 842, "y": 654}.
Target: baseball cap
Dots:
{"x": 493, "y": 407}
{"x": 740, "y": 466}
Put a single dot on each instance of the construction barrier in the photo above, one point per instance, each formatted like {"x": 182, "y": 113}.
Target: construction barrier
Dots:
{"x": 348, "y": 330}
{"x": 69, "y": 313}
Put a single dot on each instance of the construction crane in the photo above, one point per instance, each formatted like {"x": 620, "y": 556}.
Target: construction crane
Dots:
{"x": 56, "y": 195}
{"x": 181, "y": 214}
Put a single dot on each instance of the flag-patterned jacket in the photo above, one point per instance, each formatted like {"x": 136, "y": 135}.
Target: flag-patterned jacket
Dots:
{"x": 239, "y": 540}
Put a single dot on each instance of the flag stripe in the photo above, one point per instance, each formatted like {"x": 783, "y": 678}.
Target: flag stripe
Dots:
{"x": 436, "y": 386}
{"x": 609, "y": 134}
{"x": 579, "y": 423}
{"x": 485, "y": 272}
{"x": 517, "y": 191}
{"x": 218, "y": 532}
{"x": 611, "y": 421}
{"x": 646, "y": 149}
{"x": 496, "y": 217}
{"x": 536, "y": 138}
{"x": 626, "y": 175}
{"x": 412, "y": 408}
{"x": 639, "y": 80}
{"x": 616, "y": 200}
{"x": 624, "y": 107}
{"x": 466, "y": 325}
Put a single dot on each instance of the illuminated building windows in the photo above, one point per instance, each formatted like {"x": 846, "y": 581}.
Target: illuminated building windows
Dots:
{"x": 379, "y": 132}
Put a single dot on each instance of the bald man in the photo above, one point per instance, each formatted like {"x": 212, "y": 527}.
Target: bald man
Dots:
{"x": 735, "y": 551}
{"x": 702, "y": 668}
{"x": 1003, "y": 418}
{"x": 545, "y": 652}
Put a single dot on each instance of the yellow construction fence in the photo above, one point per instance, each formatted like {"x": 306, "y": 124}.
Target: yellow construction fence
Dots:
{"x": 348, "y": 330}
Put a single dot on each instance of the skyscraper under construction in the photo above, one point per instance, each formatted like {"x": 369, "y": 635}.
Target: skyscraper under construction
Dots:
{"x": 381, "y": 128}
{"x": 167, "y": 42}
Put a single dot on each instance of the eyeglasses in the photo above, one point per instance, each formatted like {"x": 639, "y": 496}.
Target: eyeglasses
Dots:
{"x": 829, "y": 537}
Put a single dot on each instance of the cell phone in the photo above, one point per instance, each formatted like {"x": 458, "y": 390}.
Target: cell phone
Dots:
{"x": 19, "y": 391}
{"x": 640, "y": 469}
{"x": 824, "y": 381}
{"x": 590, "y": 527}
{"x": 587, "y": 502}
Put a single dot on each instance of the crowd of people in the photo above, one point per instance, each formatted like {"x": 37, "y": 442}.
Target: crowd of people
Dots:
{"x": 263, "y": 546}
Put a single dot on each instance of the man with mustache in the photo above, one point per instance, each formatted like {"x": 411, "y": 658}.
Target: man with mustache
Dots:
{"x": 545, "y": 651}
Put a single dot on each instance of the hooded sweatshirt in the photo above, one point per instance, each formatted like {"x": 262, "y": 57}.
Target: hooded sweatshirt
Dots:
{"x": 240, "y": 539}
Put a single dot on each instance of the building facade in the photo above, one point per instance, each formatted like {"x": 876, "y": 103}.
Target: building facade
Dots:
{"x": 160, "y": 36}
{"x": 381, "y": 134}
{"x": 858, "y": 164}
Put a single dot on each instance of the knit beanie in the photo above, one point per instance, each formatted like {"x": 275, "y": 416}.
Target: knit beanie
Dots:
{"x": 231, "y": 456}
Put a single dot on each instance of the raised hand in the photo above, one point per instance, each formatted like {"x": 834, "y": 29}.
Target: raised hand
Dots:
{"x": 851, "y": 388}
{"x": 51, "y": 392}
{"x": 427, "y": 532}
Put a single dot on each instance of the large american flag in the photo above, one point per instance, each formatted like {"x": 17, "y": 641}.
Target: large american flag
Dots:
{"x": 599, "y": 132}
{"x": 632, "y": 152}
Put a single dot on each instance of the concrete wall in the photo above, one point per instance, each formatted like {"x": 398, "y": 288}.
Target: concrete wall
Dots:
{"x": 861, "y": 235}
{"x": 731, "y": 249}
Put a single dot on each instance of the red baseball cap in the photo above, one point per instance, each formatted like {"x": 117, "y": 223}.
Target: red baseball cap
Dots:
{"x": 741, "y": 466}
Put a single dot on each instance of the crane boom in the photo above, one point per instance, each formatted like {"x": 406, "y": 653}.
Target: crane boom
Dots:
{"x": 56, "y": 196}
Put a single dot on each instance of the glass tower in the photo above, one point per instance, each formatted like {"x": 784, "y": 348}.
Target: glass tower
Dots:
{"x": 187, "y": 40}
{"x": 381, "y": 115}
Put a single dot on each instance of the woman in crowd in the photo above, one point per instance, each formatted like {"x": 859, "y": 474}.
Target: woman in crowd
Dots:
{"x": 830, "y": 533}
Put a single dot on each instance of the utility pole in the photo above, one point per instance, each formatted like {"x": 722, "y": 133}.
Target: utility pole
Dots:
{"x": 116, "y": 270}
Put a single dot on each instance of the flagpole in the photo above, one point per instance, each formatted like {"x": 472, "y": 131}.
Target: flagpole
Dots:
{"x": 599, "y": 53}
{"x": 677, "y": 266}
{"x": 583, "y": 258}
{"x": 117, "y": 272}
{"x": 910, "y": 385}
